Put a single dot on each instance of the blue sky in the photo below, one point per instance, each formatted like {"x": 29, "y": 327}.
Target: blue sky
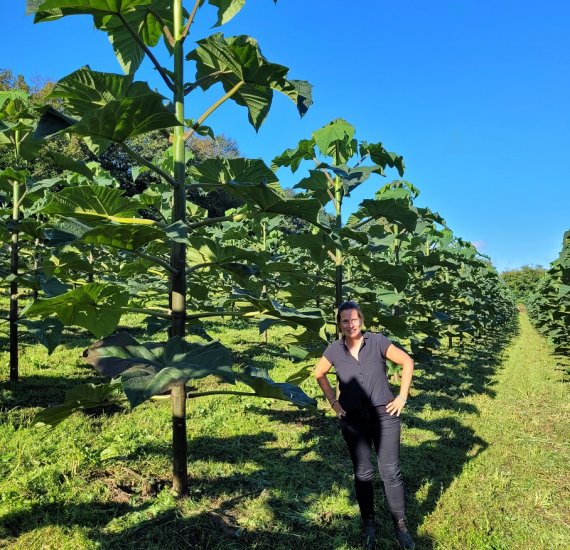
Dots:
{"x": 473, "y": 94}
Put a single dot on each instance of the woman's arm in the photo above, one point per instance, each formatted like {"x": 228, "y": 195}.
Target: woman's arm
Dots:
{"x": 401, "y": 358}
{"x": 321, "y": 370}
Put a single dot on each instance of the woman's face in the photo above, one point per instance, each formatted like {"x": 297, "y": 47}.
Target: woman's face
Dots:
{"x": 350, "y": 323}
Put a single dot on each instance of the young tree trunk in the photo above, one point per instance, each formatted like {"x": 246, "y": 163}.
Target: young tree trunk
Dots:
{"x": 178, "y": 262}
{"x": 14, "y": 367}
{"x": 338, "y": 255}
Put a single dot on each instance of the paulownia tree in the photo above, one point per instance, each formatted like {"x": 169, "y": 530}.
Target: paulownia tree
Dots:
{"x": 106, "y": 108}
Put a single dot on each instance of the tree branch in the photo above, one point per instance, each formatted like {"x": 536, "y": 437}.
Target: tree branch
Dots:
{"x": 149, "y": 164}
{"x": 158, "y": 261}
{"x": 209, "y": 111}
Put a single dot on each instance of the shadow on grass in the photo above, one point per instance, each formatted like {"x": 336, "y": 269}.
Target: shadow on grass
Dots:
{"x": 283, "y": 484}
{"x": 40, "y": 391}
{"x": 285, "y": 489}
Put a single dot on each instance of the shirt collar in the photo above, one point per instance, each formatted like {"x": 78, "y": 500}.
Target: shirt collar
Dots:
{"x": 364, "y": 335}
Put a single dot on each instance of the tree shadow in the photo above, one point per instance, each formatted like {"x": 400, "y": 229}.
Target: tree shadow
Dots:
{"x": 289, "y": 484}
{"x": 40, "y": 390}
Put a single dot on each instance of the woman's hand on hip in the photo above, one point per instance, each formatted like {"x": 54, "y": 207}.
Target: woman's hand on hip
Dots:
{"x": 395, "y": 407}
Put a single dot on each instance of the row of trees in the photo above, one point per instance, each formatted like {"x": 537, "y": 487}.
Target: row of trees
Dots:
{"x": 89, "y": 253}
{"x": 549, "y": 305}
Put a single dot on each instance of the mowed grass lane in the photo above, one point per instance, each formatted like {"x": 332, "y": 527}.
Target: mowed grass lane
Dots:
{"x": 516, "y": 493}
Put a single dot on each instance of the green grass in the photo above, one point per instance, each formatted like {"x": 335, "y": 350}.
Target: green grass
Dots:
{"x": 484, "y": 467}
{"x": 515, "y": 493}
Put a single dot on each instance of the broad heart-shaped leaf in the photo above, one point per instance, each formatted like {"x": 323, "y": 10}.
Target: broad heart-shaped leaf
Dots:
{"x": 310, "y": 318}
{"x": 85, "y": 90}
{"x": 120, "y": 120}
{"x": 305, "y": 150}
{"x": 237, "y": 62}
{"x": 202, "y": 250}
{"x": 380, "y": 156}
{"x": 335, "y": 140}
{"x": 54, "y": 9}
{"x": 150, "y": 369}
{"x": 393, "y": 209}
{"x": 317, "y": 185}
{"x": 262, "y": 198}
{"x": 227, "y": 9}
{"x": 95, "y": 203}
{"x": 147, "y": 22}
{"x": 384, "y": 271}
{"x": 47, "y": 331}
{"x": 318, "y": 245}
{"x": 80, "y": 398}
{"x": 126, "y": 237}
{"x": 261, "y": 383}
{"x": 96, "y": 307}
{"x": 240, "y": 170}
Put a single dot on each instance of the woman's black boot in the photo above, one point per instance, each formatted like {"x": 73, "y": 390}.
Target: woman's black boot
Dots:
{"x": 403, "y": 535}
{"x": 369, "y": 534}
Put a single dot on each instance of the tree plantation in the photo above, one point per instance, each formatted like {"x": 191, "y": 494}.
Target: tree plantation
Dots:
{"x": 164, "y": 301}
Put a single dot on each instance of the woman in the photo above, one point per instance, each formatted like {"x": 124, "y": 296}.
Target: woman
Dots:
{"x": 369, "y": 413}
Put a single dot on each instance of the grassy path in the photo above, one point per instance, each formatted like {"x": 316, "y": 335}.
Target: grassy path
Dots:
{"x": 485, "y": 458}
{"x": 516, "y": 493}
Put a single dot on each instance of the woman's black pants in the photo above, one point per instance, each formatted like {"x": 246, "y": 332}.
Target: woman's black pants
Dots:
{"x": 363, "y": 429}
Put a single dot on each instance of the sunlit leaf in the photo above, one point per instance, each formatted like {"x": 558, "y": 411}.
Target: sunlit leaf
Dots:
{"x": 96, "y": 307}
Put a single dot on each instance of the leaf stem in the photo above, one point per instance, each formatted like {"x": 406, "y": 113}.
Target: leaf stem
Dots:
{"x": 209, "y": 111}
{"x": 215, "y": 392}
{"x": 158, "y": 261}
{"x": 149, "y": 164}
{"x": 145, "y": 311}
{"x": 212, "y": 221}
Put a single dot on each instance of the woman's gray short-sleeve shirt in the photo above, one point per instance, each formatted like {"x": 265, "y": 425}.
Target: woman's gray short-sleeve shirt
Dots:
{"x": 363, "y": 382}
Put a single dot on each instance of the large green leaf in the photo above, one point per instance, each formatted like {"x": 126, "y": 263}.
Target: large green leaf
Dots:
{"x": 240, "y": 170}
{"x": 202, "y": 250}
{"x": 54, "y": 9}
{"x": 47, "y": 331}
{"x": 95, "y": 203}
{"x": 80, "y": 398}
{"x": 147, "y": 22}
{"x": 261, "y": 383}
{"x": 262, "y": 198}
{"x": 384, "y": 271}
{"x": 150, "y": 369}
{"x": 310, "y": 318}
{"x": 237, "y": 61}
{"x": 318, "y": 186}
{"x": 126, "y": 237}
{"x": 305, "y": 150}
{"x": 96, "y": 307}
{"x": 335, "y": 140}
{"x": 85, "y": 90}
{"x": 390, "y": 207}
{"x": 319, "y": 245}
{"x": 227, "y": 9}
{"x": 120, "y": 120}
{"x": 384, "y": 158}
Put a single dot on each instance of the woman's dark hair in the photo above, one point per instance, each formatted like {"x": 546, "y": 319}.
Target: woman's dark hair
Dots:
{"x": 344, "y": 306}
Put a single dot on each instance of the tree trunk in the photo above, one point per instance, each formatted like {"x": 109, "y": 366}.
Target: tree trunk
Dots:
{"x": 14, "y": 366}
{"x": 177, "y": 297}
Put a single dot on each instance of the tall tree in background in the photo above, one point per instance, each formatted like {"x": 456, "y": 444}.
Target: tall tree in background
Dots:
{"x": 523, "y": 281}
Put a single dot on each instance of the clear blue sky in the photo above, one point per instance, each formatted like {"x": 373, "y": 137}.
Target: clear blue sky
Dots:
{"x": 475, "y": 94}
